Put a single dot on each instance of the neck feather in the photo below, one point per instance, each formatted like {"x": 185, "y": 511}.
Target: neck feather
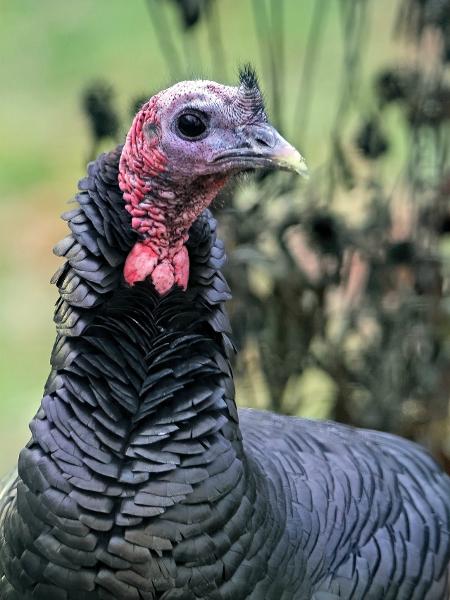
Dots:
{"x": 135, "y": 481}
{"x": 137, "y": 440}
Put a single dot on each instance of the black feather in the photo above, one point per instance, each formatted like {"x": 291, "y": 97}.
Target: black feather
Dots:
{"x": 248, "y": 78}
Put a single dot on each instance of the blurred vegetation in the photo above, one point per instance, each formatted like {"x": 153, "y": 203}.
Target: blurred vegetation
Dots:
{"x": 340, "y": 286}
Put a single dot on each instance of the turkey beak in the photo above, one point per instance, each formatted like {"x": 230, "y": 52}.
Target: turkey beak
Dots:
{"x": 262, "y": 147}
{"x": 272, "y": 150}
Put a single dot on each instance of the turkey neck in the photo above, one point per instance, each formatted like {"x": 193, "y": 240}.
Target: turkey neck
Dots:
{"x": 136, "y": 446}
{"x": 165, "y": 212}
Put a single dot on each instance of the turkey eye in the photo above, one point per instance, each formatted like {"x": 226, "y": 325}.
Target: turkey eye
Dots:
{"x": 191, "y": 126}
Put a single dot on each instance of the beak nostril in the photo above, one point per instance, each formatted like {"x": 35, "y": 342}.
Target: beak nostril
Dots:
{"x": 261, "y": 146}
{"x": 260, "y": 136}
{"x": 263, "y": 142}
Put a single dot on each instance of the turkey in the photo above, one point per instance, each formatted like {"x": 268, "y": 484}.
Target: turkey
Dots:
{"x": 141, "y": 480}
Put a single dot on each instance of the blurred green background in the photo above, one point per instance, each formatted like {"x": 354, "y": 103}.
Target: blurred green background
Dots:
{"x": 50, "y": 51}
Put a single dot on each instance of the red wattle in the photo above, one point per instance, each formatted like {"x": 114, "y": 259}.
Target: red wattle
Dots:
{"x": 143, "y": 262}
{"x": 163, "y": 277}
{"x": 181, "y": 267}
{"x": 139, "y": 264}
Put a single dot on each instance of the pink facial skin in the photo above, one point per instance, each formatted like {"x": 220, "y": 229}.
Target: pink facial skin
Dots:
{"x": 162, "y": 206}
{"x": 168, "y": 179}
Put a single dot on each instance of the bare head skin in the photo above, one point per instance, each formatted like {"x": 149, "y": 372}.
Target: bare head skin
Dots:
{"x": 182, "y": 147}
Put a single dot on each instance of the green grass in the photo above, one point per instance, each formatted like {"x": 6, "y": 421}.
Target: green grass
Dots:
{"x": 50, "y": 50}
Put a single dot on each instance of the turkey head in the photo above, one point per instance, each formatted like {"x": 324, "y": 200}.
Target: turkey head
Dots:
{"x": 183, "y": 145}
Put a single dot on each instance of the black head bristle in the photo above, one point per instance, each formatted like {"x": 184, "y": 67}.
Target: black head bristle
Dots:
{"x": 248, "y": 77}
